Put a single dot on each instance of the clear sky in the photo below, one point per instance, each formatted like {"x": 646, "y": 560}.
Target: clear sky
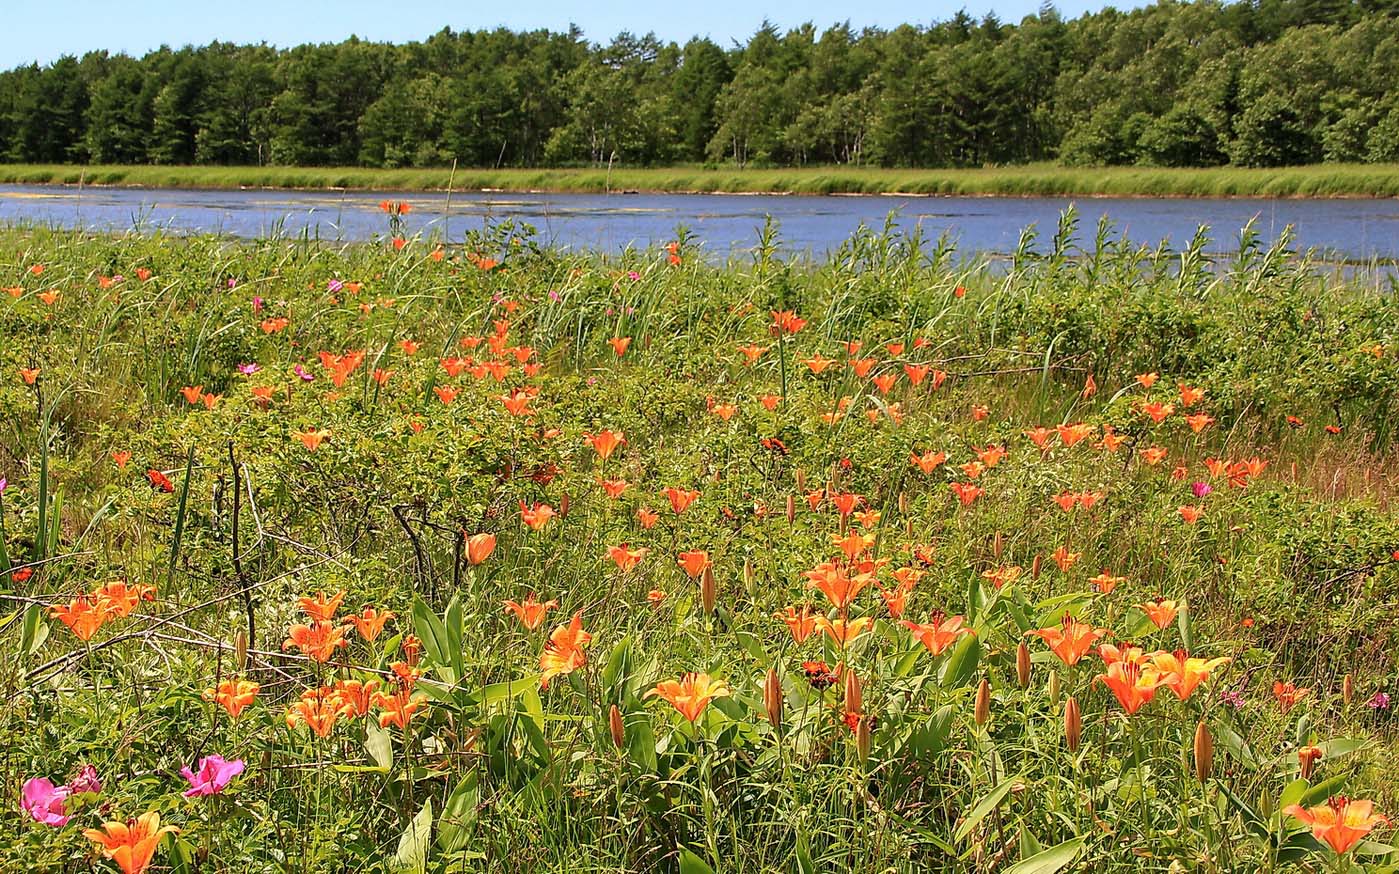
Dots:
{"x": 42, "y": 30}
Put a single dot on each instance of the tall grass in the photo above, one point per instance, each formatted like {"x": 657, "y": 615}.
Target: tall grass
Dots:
{"x": 1036, "y": 180}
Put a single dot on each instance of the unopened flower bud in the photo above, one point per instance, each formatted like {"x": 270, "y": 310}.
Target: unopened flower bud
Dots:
{"x": 1073, "y": 725}
{"x": 1204, "y": 752}
{"x": 982, "y": 712}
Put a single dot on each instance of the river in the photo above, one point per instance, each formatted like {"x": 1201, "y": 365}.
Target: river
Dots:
{"x": 1349, "y": 229}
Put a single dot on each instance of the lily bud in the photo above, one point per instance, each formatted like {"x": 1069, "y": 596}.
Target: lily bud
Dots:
{"x": 903, "y": 502}
{"x": 801, "y": 479}
{"x": 982, "y": 712}
{"x": 1054, "y": 688}
{"x": 791, "y": 509}
{"x": 862, "y": 739}
{"x": 1073, "y": 725}
{"x": 998, "y": 545}
{"x": 908, "y": 527}
{"x": 772, "y": 698}
{"x": 748, "y": 578}
{"x": 854, "y": 692}
{"x": 1022, "y": 665}
{"x": 1204, "y": 752}
{"x": 563, "y": 505}
{"x": 1347, "y": 689}
{"x": 240, "y": 650}
{"x": 707, "y": 594}
{"x": 1035, "y": 568}
{"x": 614, "y": 725}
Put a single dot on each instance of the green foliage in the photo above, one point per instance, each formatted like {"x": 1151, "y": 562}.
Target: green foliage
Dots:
{"x": 1289, "y": 572}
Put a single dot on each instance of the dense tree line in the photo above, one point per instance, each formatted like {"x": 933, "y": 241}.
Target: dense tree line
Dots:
{"x": 1267, "y": 82}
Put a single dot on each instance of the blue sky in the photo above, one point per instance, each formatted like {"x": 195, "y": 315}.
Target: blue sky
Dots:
{"x": 42, "y": 30}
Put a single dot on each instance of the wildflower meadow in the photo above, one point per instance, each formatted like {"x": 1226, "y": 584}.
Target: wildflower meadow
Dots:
{"x": 413, "y": 557}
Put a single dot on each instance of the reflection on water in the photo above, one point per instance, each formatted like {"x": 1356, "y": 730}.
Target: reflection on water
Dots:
{"x": 1350, "y": 229}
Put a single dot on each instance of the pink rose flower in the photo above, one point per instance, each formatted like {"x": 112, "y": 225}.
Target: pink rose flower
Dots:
{"x": 214, "y": 774}
{"x": 44, "y": 801}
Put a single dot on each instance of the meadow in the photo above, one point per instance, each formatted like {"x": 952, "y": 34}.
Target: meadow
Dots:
{"x": 401, "y": 556}
{"x": 1029, "y": 180}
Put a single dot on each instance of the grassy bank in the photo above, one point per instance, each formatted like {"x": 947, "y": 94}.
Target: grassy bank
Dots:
{"x": 1330, "y": 180}
{"x": 889, "y": 505}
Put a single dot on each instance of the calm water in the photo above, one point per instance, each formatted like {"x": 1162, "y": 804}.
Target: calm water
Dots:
{"x": 1353, "y": 229}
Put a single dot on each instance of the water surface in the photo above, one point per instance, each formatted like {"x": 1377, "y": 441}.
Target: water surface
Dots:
{"x": 1355, "y": 229}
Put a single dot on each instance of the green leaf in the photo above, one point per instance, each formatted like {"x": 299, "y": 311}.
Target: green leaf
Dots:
{"x": 498, "y": 692}
{"x": 961, "y": 664}
{"x": 615, "y": 670}
{"x": 379, "y": 745}
{"x": 35, "y": 630}
{"x": 180, "y": 519}
{"x": 984, "y": 807}
{"x": 693, "y": 864}
{"x": 1049, "y": 861}
{"x": 754, "y": 648}
{"x": 459, "y": 814}
{"x": 433, "y": 633}
{"x": 805, "y": 864}
{"x": 413, "y": 844}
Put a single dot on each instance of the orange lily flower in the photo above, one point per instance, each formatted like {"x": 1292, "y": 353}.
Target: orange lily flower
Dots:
{"x": 927, "y": 462}
{"x": 1190, "y": 396}
{"x": 1287, "y": 695}
{"x": 29, "y": 375}
{"x": 1158, "y": 411}
{"x": 318, "y": 640}
{"x": 626, "y": 558}
{"x": 799, "y": 622}
{"x": 691, "y": 694}
{"x": 916, "y": 373}
{"x": 356, "y": 697}
{"x": 479, "y": 547}
{"x": 751, "y": 353}
{"x": 837, "y": 583}
{"x": 605, "y": 442}
{"x": 1160, "y": 611}
{"x": 940, "y": 633}
{"x": 1147, "y": 380}
{"x": 1105, "y": 582}
{"x": 531, "y": 613}
{"x": 120, "y": 599}
{"x": 131, "y": 844}
{"x": 693, "y": 561}
{"x": 647, "y": 517}
{"x": 619, "y": 345}
{"x": 192, "y": 393}
{"x": 680, "y": 499}
{"x": 233, "y": 695}
{"x": 1071, "y": 434}
{"x": 563, "y": 653}
{"x": 318, "y": 709}
{"x": 885, "y": 382}
{"x": 83, "y": 616}
{"x": 398, "y": 708}
{"x": 1190, "y": 514}
{"x": 1199, "y": 421}
{"x": 818, "y": 363}
{"x": 320, "y": 608}
{"x": 1133, "y": 685}
{"x": 966, "y": 492}
{"x": 1182, "y": 673}
{"x": 842, "y": 631}
{"x": 370, "y": 622}
{"x": 517, "y": 403}
{"x": 1153, "y": 455}
{"x": 312, "y": 439}
{"x": 1071, "y": 640}
{"x": 1340, "y": 823}
{"x": 537, "y": 516}
{"x": 613, "y": 488}
{"x": 1065, "y": 559}
{"x": 786, "y": 322}
{"x": 1040, "y": 436}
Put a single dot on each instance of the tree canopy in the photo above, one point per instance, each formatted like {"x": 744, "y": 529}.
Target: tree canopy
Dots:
{"x": 1259, "y": 83}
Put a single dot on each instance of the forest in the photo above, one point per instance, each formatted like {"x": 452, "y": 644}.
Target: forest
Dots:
{"x": 1249, "y": 84}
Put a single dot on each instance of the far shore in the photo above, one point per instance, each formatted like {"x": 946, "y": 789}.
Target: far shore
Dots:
{"x": 1036, "y": 180}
